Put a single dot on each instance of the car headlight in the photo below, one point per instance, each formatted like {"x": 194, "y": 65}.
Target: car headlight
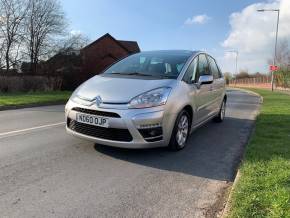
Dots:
{"x": 79, "y": 100}
{"x": 152, "y": 98}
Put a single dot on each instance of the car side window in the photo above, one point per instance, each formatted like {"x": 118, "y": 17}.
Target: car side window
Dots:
{"x": 191, "y": 71}
{"x": 220, "y": 72}
{"x": 203, "y": 67}
{"x": 214, "y": 68}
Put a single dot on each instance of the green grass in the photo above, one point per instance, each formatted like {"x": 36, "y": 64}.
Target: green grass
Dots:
{"x": 14, "y": 99}
{"x": 264, "y": 186}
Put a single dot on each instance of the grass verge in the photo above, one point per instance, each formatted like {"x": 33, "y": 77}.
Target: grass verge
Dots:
{"x": 263, "y": 189}
{"x": 15, "y": 99}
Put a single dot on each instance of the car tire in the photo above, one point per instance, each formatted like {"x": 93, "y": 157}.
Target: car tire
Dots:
{"x": 180, "y": 131}
{"x": 221, "y": 115}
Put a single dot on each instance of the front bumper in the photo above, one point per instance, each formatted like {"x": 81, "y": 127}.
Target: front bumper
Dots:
{"x": 132, "y": 120}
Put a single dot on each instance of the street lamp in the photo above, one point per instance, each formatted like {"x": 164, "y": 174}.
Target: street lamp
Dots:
{"x": 275, "y": 55}
{"x": 237, "y": 54}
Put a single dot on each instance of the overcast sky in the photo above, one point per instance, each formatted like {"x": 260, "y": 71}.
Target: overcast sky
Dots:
{"x": 214, "y": 26}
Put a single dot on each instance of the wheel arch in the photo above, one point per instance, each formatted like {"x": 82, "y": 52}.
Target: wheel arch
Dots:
{"x": 189, "y": 110}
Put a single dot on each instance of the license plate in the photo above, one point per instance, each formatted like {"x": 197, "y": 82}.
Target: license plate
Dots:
{"x": 92, "y": 120}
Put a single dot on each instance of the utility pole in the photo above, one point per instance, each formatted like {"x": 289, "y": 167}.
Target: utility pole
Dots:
{"x": 236, "y": 63}
{"x": 276, "y": 40}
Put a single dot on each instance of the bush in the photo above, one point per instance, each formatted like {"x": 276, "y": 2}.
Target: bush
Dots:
{"x": 283, "y": 78}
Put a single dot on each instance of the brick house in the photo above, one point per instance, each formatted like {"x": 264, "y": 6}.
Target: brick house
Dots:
{"x": 103, "y": 52}
{"x": 77, "y": 66}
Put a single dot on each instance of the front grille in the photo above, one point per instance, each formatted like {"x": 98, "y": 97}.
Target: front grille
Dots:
{"x": 95, "y": 112}
{"x": 100, "y": 132}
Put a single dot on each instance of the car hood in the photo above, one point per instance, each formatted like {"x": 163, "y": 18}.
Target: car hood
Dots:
{"x": 119, "y": 90}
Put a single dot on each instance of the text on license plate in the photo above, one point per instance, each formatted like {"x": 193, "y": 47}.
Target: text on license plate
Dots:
{"x": 92, "y": 120}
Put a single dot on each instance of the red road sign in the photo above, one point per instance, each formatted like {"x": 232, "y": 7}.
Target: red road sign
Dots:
{"x": 274, "y": 68}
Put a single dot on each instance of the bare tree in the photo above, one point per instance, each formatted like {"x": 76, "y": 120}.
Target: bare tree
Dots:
{"x": 12, "y": 14}
{"x": 283, "y": 54}
{"x": 282, "y": 76}
{"x": 2, "y": 62}
{"x": 228, "y": 77}
{"x": 44, "y": 21}
{"x": 73, "y": 42}
{"x": 243, "y": 74}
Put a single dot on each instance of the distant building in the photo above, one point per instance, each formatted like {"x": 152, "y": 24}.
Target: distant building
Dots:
{"x": 103, "y": 52}
{"x": 77, "y": 66}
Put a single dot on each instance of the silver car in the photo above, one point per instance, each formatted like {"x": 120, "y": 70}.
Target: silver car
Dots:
{"x": 149, "y": 99}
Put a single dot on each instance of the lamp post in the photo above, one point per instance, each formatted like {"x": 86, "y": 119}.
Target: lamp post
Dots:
{"x": 237, "y": 55}
{"x": 276, "y": 39}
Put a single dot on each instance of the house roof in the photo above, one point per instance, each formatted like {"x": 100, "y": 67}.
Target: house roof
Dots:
{"x": 132, "y": 46}
{"x": 129, "y": 46}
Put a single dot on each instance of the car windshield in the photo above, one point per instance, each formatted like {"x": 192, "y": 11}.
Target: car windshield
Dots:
{"x": 152, "y": 64}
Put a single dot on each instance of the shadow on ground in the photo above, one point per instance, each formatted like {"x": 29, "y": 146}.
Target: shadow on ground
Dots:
{"x": 213, "y": 151}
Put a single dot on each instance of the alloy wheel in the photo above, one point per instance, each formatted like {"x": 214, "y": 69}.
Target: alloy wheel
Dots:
{"x": 182, "y": 130}
{"x": 223, "y": 110}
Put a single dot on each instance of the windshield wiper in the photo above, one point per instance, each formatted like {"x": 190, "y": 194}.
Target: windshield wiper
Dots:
{"x": 143, "y": 74}
{"x": 165, "y": 76}
{"x": 132, "y": 74}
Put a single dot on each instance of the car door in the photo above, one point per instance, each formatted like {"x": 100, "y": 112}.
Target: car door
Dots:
{"x": 189, "y": 78}
{"x": 218, "y": 84}
{"x": 204, "y": 96}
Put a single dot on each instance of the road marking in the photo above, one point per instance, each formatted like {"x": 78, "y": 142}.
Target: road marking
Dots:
{"x": 18, "y": 132}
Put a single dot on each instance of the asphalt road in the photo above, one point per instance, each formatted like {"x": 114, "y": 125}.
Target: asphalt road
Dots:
{"x": 46, "y": 173}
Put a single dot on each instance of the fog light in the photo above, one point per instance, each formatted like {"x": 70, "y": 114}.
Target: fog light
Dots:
{"x": 152, "y": 132}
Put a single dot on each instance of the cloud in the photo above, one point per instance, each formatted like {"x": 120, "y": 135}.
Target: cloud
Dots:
{"x": 253, "y": 34}
{"x": 199, "y": 19}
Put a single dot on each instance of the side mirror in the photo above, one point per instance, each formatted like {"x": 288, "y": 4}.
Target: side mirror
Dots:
{"x": 205, "y": 79}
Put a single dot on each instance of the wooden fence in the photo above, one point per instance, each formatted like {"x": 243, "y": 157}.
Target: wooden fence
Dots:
{"x": 260, "y": 82}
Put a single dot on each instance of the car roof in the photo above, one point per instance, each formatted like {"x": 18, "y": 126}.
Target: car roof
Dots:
{"x": 176, "y": 52}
